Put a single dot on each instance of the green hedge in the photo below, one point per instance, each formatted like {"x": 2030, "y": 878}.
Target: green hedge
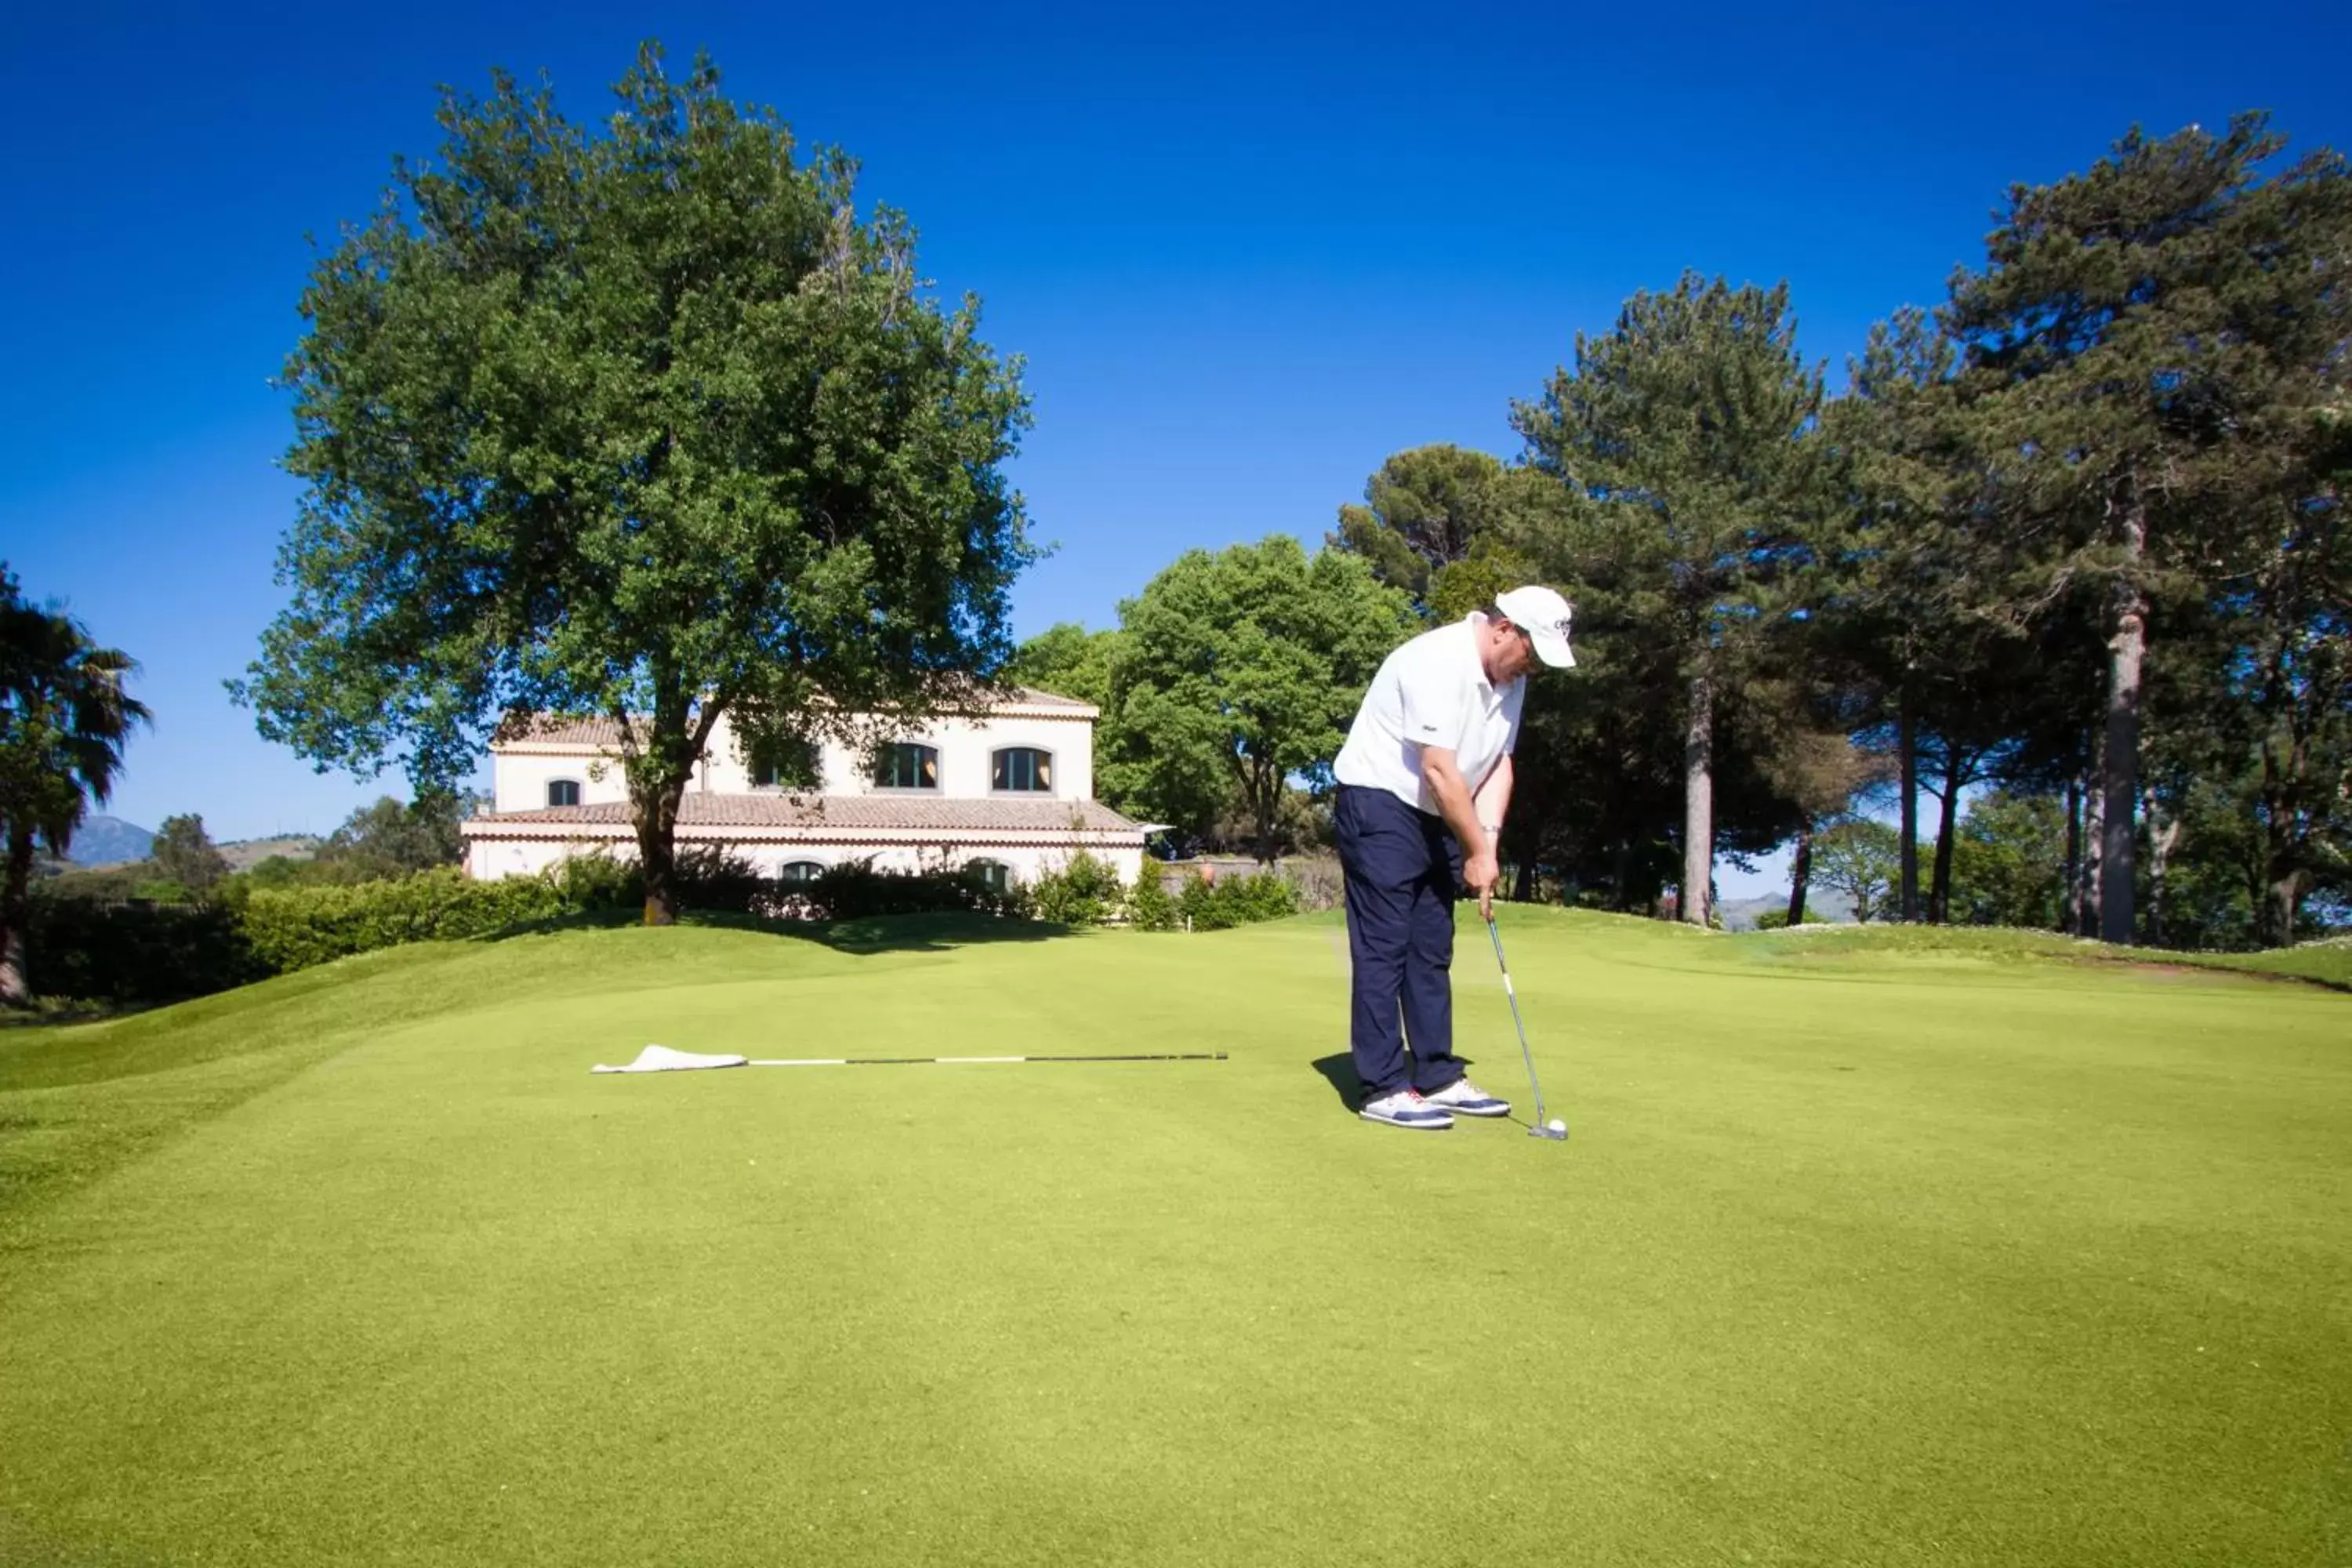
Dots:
{"x": 138, "y": 953}
{"x": 294, "y": 928}
{"x": 135, "y": 952}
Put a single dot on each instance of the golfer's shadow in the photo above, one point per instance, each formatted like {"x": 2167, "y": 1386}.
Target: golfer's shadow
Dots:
{"x": 1339, "y": 1072}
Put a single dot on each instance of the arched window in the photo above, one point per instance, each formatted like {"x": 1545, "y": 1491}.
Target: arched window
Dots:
{"x": 905, "y": 766}
{"x": 1021, "y": 770}
{"x": 563, "y": 792}
{"x": 994, "y": 874}
{"x": 798, "y": 871}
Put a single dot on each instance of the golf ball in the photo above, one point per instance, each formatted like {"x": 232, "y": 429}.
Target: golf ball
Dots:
{"x": 1557, "y": 1125}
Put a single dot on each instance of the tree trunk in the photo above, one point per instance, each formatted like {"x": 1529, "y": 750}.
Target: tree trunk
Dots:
{"x": 2258, "y": 895}
{"x": 1698, "y": 803}
{"x": 1523, "y": 882}
{"x": 657, "y": 851}
{"x": 2128, "y": 648}
{"x": 2070, "y": 913}
{"x": 1907, "y": 744}
{"x": 1940, "y": 892}
{"x": 2162, "y": 835}
{"x": 2286, "y": 904}
{"x": 1621, "y": 876}
{"x": 16, "y": 909}
{"x": 2094, "y": 838}
{"x": 2280, "y": 881}
{"x": 1800, "y": 874}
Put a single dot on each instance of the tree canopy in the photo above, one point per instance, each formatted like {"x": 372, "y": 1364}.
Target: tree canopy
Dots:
{"x": 1686, "y": 439}
{"x": 2150, "y": 349}
{"x": 650, "y": 423}
{"x": 65, "y": 716}
{"x": 184, "y": 853}
{"x": 1239, "y": 671}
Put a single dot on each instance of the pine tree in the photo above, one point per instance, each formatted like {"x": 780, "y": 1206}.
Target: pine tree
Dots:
{"x": 1686, "y": 436}
{"x": 2147, "y": 345}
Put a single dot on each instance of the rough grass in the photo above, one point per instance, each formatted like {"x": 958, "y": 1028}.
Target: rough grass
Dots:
{"x": 2326, "y": 962}
{"x": 1866, "y": 1251}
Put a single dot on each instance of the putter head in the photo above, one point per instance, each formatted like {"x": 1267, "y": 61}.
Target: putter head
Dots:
{"x": 1555, "y": 1130}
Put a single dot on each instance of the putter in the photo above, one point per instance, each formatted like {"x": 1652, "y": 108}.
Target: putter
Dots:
{"x": 1555, "y": 1130}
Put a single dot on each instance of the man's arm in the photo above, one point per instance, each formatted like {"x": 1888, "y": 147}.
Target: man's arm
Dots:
{"x": 1452, "y": 793}
{"x": 1493, "y": 803}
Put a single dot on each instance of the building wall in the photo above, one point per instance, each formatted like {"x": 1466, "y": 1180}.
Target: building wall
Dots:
{"x": 518, "y": 781}
{"x": 486, "y": 858}
{"x": 966, "y": 748}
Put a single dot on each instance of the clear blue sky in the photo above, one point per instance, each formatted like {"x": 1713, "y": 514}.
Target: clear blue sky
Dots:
{"x": 1247, "y": 253}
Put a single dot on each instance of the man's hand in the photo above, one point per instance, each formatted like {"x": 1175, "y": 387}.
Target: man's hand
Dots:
{"x": 1480, "y": 872}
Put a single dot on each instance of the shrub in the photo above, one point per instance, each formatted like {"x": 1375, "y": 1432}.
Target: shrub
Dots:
{"x": 1086, "y": 892}
{"x": 131, "y": 953}
{"x": 709, "y": 878}
{"x": 1150, "y": 907}
{"x": 705, "y": 875}
{"x": 598, "y": 881}
{"x": 857, "y": 890}
{"x": 1239, "y": 900}
{"x": 274, "y": 871}
{"x": 111, "y": 885}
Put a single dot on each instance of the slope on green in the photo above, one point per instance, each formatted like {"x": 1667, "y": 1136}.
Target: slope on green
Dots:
{"x": 1919, "y": 1256}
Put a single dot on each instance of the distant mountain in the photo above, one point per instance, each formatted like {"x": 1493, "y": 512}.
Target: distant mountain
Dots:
{"x": 244, "y": 854}
{"x": 105, "y": 840}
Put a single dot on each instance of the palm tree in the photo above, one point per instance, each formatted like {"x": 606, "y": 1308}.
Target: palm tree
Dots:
{"x": 64, "y": 720}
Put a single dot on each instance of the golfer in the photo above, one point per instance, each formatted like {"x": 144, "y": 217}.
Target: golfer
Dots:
{"x": 1423, "y": 781}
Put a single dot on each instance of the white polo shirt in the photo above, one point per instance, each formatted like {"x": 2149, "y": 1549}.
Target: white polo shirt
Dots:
{"x": 1433, "y": 692}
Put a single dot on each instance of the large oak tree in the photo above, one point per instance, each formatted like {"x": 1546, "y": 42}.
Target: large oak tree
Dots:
{"x": 649, "y": 424}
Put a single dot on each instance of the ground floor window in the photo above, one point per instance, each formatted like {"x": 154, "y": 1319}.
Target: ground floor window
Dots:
{"x": 995, "y": 874}
{"x": 798, "y": 871}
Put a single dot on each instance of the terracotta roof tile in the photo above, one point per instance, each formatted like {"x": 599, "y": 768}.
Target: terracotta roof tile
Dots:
{"x": 1036, "y": 698}
{"x": 604, "y": 732}
{"x": 553, "y": 730}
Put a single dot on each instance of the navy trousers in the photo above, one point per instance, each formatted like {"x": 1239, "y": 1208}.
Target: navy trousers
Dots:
{"x": 1402, "y": 871}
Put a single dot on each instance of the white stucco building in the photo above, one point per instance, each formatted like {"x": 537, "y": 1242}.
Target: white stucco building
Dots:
{"x": 1010, "y": 788}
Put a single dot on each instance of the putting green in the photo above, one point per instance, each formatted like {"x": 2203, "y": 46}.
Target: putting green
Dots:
{"x": 1856, "y": 1255}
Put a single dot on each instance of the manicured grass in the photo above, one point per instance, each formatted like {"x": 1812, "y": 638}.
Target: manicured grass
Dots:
{"x": 1871, "y": 1251}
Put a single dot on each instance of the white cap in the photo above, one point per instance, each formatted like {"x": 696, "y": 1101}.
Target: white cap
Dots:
{"x": 1543, "y": 615}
